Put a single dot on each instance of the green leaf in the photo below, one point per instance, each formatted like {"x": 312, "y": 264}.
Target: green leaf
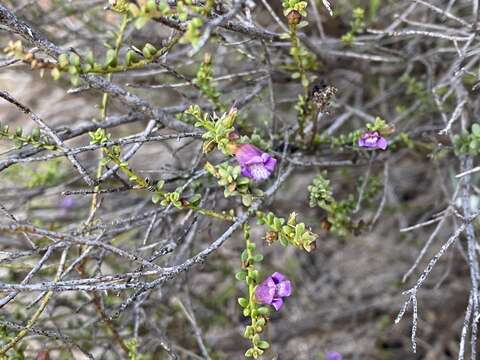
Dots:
{"x": 244, "y": 256}
{"x": 247, "y": 200}
{"x": 111, "y": 58}
{"x": 36, "y": 134}
{"x": 90, "y": 59}
{"x": 156, "y": 198}
{"x": 476, "y": 129}
{"x": 249, "y": 353}
{"x": 263, "y": 310}
{"x": 141, "y": 22}
{"x": 55, "y": 73}
{"x": 242, "y": 302}
{"x": 258, "y": 258}
{"x": 241, "y": 276}
{"x": 263, "y": 344}
{"x": 63, "y": 60}
{"x": 149, "y": 51}
{"x": 74, "y": 59}
{"x": 160, "y": 184}
{"x": 75, "y": 80}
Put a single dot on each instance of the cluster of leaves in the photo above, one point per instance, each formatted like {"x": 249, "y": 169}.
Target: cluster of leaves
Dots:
{"x": 16, "y": 50}
{"x": 255, "y": 139}
{"x": 304, "y": 60}
{"x": 112, "y": 153}
{"x": 218, "y": 129}
{"x": 417, "y": 91}
{"x": 301, "y": 106}
{"x": 338, "y": 213}
{"x": 46, "y": 174}
{"x": 288, "y": 232}
{"x": 187, "y": 7}
{"x": 357, "y": 26}
{"x": 235, "y": 185}
{"x": 72, "y": 64}
{"x": 149, "y": 10}
{"x": 35, "y": 138}
{"x": 381, "y": 126}
{"x": 343, "y": 140}
{"x": 204, "y": 81}
{"x": 468, "y": 143}
{"x": 258, "y": 314}
{"x": 132, "y": 347}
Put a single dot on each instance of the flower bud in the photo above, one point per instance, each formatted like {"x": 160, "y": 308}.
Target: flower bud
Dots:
{"x": 294, "y": 17}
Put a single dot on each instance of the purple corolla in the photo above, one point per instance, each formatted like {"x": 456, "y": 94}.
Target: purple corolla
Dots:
{"x": 254, "y": 163}
{"x": 273, "y": 289}
{"x": 372, "y": 140}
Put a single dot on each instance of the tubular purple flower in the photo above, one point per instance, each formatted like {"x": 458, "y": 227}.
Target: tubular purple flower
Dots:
{"x": 333, "y": 356}
{"x": 372, "y": 140}
{"x": 273, "y": 289}
{"x": 254, "y": 163}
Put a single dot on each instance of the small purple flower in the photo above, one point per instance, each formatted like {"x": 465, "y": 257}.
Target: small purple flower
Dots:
{"x": 372, "y": 140}
{"x": 273, "y": 289}
{"x": 333, "y": 356}
{"x": 254, "y": 163}
{"x": 67, "y": 203}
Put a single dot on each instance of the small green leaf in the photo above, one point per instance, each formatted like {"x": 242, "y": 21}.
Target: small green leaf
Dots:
{"x": 141, "y": 22}
{"x": 243, "y": 302}
{"x": 476, "y": 129}
{"x": 263, "y": 344}
{"x": 55, "y": 73}
{"x": 247, "y": 200}
{"x": 156, "y": 198}
{"x": 241, "y": 276}
{"x": 111, "y": 58}
{"x": 263, "y": 310}
{"x": 258, "y": 258}
{"x": 74, "y": 59}
{"x": 63, "y": 60}
{"x": 249, "y": 353}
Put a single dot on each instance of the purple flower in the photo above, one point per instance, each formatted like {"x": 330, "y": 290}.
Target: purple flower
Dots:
{"x": 273, "y": 289}
{"x": 67, "y": 203}
{"x": 333, "y": 356}
{"x": 372, "y": 140}
{"x": 254, "y": 163}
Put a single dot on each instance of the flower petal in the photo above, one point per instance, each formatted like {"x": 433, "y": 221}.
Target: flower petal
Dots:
{"x": 265, "y": 292}
{"x": 246, "y": 152}
{"x": 245, "y": 171}
{"x": 284, "y": 288}
{"x": 258, "y": 172}
{"x": 333, "y": 356}
{"x": 270, "y": 163}
{"x": 277, "y": 303}
{"x": 278, "y": 277}
{"x": 254, "y": 160}
{"x": 382, "y": 143}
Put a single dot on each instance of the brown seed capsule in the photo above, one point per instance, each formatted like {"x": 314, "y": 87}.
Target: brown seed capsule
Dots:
{"x": 323, "y": 95}
{"x": 311, "y": 247}
{"x": 270, "y": 237}
{"x": 294, "y": 17}
{"x": 325, "y": 225}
